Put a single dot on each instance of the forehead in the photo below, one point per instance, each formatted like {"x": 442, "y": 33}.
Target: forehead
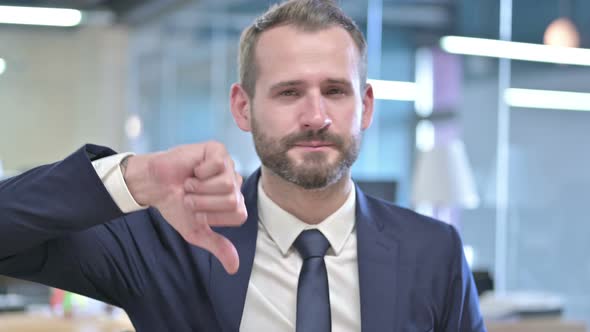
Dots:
{"x": 286, "y": 51}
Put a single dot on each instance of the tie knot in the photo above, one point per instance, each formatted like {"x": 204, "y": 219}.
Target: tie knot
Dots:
{"x": 311, "y": 243}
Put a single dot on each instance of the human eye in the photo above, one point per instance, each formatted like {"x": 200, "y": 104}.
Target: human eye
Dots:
{"x": 289, "y": 93}
{"x": 335, "y": 91}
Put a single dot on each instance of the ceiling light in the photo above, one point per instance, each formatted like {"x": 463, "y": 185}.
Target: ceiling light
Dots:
{"x": 516, "y": 51}
{"x": 547, "y": 99}
{"x": 40, "y": 16}
{"x": 393, "y": 90}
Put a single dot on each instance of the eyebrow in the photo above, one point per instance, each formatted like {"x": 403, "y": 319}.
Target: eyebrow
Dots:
{"x": 300, "y": 82}
{"x": 339, "y": 81}
{"x": 285, "y": 84}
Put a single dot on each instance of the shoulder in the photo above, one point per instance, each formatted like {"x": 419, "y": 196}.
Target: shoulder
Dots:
{"x": 412, "y": 230}
{"x": 403, "y": 219}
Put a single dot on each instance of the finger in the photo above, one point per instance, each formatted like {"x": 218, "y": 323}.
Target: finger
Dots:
{"x": 212, "y": 203}
{"x": 222, "y": 219}
{"x": 219, "y": 184}
{"x": 215, "y": 185}
{"x": 229, "y": 163}
{"x": 239, "y": 180}
{"x": 220, "y": 247}
{"x": 209, "y": 168}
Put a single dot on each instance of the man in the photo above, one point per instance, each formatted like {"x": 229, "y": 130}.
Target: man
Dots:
{"x": 315, "y": 253}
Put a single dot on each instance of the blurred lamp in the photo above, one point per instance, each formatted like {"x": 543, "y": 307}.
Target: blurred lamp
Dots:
{"x": 425, "y": 135}
{"x": 133, "y": 127}
{"x": 548, "y": 99}
{"x": 563, "y": 33}
{"x": 40, "y": 16}
{"x": 443, "y": 178}
{"x": 393, "y": 90}
{"x": 2, "y": 66}
{"x": 515, "y": 50}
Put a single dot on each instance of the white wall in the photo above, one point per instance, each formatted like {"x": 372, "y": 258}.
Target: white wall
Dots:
{"x": 61, "y": 89}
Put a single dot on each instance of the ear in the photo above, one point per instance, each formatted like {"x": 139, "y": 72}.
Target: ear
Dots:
{"x": 240, "y": 106}
{"x": 368, "y": 104}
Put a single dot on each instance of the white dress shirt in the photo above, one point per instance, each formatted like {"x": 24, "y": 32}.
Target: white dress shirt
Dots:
{"x": 271, "y": 298}
{"x": 109, "y": 172}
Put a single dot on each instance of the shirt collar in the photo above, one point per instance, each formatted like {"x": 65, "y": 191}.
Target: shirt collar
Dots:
{"x": 284, "y": 228}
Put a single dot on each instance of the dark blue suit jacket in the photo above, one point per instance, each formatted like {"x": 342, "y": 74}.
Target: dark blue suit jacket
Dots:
{"x": 59, "y": 227}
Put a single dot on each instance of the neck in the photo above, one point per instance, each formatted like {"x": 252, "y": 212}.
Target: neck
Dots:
{"x": 311, "y": 206}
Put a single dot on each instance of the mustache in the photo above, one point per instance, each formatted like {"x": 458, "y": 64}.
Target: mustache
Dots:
{"x": 311, "y": 135}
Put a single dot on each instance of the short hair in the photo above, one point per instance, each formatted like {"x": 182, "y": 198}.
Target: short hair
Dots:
{"x": 308, "y": 15}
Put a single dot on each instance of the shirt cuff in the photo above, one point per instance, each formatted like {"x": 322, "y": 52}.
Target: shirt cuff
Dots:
{"x": 109, "y": 171}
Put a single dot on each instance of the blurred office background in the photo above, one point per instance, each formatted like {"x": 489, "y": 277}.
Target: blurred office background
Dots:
{"x": 512, "y": 164}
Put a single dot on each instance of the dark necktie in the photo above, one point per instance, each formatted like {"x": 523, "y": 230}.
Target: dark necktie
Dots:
{"x": 313, "y": 296}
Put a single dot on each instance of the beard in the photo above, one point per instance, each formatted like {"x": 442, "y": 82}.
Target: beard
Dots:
{"x": 315, "y": 171}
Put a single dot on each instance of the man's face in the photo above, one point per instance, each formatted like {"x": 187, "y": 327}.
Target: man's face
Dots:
{"x": 307, "y": 158}
{"x": 307, "y": 114}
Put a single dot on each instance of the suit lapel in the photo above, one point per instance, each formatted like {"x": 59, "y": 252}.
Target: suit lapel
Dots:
{"x": 378, "y": 262}
{"x": 228, "y": 292}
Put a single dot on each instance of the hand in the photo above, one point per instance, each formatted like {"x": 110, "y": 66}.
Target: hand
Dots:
{"x": 194, "y": 187}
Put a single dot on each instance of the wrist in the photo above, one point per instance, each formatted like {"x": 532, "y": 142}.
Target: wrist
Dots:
{"x": 135, "y": 170}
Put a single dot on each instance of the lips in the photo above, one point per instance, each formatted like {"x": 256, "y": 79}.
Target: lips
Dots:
{"x": 314, "y": 144}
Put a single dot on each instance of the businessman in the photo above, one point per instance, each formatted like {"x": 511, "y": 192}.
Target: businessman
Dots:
{"x": 176, "y": 240}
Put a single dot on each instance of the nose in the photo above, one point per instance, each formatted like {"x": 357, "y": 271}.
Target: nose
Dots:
{"x": 315, "y": 115}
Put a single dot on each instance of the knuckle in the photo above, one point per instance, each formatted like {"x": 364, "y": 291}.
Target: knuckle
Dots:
{"x": 239, "y": 217}
{"x": 216, "y": 145}
{"x": 217, "y": 163}
{"x": 221, "y": 148}
{"x": 231, "y": 163}
{"x": 227, "y": 185}
{"x": 232, "y": 200}
{"x": 243, "y": 215}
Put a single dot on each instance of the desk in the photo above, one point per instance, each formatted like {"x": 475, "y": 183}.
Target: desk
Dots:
{"x": 537, "y": 325}
{"x": 11, "y": 322}
{"x": 21, "y": 322}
